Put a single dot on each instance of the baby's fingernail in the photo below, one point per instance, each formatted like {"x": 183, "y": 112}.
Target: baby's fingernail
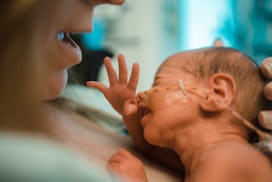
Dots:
{"x": 265, "y": 119}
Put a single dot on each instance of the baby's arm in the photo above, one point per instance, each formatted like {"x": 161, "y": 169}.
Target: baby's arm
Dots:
{"x": 127, "y": 167}
{"x": 121, "y": 94}
{"x": 120, "y": 89}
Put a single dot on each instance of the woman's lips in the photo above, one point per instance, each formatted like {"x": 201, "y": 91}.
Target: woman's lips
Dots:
{"x": 70, "y": 47}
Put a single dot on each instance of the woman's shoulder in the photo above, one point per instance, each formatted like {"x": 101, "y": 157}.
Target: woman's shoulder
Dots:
{"x": 33, "y": 158}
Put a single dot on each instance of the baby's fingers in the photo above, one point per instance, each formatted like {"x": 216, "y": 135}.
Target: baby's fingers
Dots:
{"x": 130, "y": 108}
{"x": 99, "y": 86}
{"x": 134, "y": 77}
{"x": 122, "y": 69}
{"x": 110, "y": 71}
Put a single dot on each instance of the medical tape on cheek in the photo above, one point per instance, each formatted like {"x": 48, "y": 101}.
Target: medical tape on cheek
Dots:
{"x": 181, "y": 95}
{"x": 158, "y": 98}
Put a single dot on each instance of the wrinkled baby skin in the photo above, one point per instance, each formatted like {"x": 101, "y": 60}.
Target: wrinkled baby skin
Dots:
{"x": 158, "y": 98}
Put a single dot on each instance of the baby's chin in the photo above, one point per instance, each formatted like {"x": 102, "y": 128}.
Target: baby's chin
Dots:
{"x": 153, "y": 137}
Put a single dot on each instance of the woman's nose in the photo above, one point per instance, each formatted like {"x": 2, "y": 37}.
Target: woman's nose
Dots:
{"x": 97, "y": 2}
{"x": 117, "y": 2}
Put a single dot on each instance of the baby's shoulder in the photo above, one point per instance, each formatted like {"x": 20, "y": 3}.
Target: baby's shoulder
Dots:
{"x": 234, "y": 160}
{"x": 240, "y": 153}
{"x": 234, "y": 150}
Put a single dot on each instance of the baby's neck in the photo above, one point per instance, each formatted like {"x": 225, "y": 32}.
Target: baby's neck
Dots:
{"x": 191, "y": 142}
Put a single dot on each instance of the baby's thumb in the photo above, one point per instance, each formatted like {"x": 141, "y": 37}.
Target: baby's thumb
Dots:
{"x": 130, "y": 108}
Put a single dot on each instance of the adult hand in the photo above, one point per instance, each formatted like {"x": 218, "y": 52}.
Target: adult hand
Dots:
{"x": 120, "y": 89}
{"x": 265, "y": 117}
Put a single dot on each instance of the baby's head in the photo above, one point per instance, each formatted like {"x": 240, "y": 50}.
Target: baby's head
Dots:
{"x": 220, "y": 74}
{"x": 206, "y": 62}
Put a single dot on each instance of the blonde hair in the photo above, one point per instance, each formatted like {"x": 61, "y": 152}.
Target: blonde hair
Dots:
{"x": 18, "y": 66}
{"x": 11, "y": 13}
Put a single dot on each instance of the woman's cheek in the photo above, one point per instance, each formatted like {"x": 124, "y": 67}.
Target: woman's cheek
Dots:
{"x": 54, "y": 85}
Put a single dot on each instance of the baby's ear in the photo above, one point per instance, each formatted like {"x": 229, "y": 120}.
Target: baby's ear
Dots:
{"x": 218, "y": 43}
{"x": 222, "y": 90}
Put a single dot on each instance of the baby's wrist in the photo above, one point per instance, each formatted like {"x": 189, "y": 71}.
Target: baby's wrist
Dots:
{"x": 130, "y": 117}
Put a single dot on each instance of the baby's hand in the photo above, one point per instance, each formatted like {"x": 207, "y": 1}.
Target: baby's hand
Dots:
{"x": 127, "y": 167}
{"x": 265, "y": 117}
{"x": 120, "y": 89}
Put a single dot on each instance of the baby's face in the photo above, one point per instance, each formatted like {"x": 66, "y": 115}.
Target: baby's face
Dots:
{"x": 168, "y": 104}
{"x": 170, "y": 87}
{"x": 163, "y": 96}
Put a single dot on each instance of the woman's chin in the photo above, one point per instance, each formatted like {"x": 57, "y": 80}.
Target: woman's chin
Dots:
{"x": 55, "y": 88}
{"x": 53, "y": 94}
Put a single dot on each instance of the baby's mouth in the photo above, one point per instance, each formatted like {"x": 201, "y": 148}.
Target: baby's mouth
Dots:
{"x": 143, "y": 112}
{"x": 143, "y": 109}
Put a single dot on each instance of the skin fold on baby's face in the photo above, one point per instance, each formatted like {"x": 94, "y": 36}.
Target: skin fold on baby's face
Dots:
{"x": 170, "y": 84}
{"x": 169, "y": 88}
{"x": 160, "y": 97}
{"x": 167, "y": 104}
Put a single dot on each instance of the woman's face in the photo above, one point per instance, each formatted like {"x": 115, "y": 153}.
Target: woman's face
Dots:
{"x": 55, "y": 20}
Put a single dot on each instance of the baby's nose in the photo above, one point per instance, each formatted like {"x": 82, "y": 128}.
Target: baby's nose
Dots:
{"x": 140, "y": 96}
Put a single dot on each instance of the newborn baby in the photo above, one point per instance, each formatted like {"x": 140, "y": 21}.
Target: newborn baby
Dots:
{"x": 203, "y": 106}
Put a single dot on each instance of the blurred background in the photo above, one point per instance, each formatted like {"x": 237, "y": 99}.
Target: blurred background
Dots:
{"x": 148, "y": 31}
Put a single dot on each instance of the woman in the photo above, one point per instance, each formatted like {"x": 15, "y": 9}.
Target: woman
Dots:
{"x": 35, "y": 53}
{"x": 37, "y": 50}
